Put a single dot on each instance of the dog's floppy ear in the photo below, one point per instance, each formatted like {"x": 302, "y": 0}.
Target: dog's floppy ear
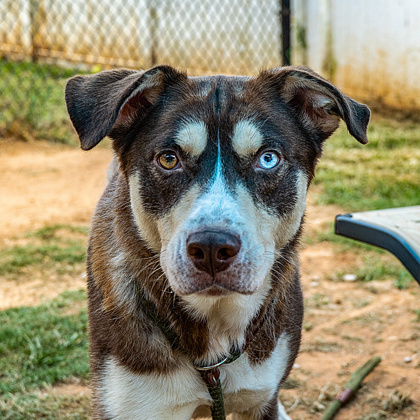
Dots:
{"x": 319, "y": 104}
{"x": 113, "y": 99}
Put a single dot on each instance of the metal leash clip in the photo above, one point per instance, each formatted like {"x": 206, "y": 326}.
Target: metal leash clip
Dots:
{"x": 204, "y": 368}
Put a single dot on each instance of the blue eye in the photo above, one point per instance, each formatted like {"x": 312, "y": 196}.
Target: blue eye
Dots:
{"x": 268, "y": 160}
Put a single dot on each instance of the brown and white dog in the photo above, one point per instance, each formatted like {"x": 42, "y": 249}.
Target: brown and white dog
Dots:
{"x": 201, "y": 220}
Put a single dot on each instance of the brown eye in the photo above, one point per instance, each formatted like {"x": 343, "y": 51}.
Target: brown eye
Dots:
{"x": 168, "y": 160}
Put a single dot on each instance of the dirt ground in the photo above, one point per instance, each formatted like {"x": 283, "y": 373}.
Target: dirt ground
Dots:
{"x": 346, "y": 322}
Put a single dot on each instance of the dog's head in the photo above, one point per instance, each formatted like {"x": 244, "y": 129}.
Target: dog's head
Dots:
{"x": 217, "y": 167}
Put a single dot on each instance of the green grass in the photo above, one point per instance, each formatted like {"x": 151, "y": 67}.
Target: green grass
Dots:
{"x": 51, "y": 231}
{"x": 377, "y": 263}
{"x": 32, "y": 102}
{"x": 40, "y": 347}
{"x": 34, "y": 407}
{"x": 385, "y": 173}
{"x": 378, "y": 266}
{"x": 417, "y": 318}
{"x": 43, "y": 345}
{"x": 375, "y": 268}
{"x": 57, "y": 247}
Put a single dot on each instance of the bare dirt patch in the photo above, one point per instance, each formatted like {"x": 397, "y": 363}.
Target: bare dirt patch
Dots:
{"x": 346, "y": 323}
{"x": 43, "y": 184}
{"x": 69, "y": 389}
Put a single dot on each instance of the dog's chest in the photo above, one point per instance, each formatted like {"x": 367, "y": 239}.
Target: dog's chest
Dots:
{"x": 126, "y": 395}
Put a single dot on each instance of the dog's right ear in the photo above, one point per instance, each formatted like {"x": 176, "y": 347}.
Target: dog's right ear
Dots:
{"x": 113, "y": 99}
{"x": 317, "y": 103}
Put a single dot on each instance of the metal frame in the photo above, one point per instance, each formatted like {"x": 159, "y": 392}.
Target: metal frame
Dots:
{"x": 346, "y": 225}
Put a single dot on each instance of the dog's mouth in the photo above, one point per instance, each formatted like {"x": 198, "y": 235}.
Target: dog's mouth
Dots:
{"x": 215, "y": 291}
{"x": 220, "y": 285}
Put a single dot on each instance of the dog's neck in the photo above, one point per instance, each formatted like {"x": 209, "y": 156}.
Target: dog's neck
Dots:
{"x": 227, "y": 318}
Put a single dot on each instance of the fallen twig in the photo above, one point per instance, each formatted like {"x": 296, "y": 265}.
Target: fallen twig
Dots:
{"x": 351, "y": 387}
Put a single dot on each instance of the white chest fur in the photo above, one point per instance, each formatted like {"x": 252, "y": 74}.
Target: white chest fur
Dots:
{"x": 175, "y": 396}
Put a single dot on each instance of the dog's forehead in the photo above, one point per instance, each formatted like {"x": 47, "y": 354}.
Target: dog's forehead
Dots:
{"x": 222, "y": 111}
{"x": 226, "y": 85}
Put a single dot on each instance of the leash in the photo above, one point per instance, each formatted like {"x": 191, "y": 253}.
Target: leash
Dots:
{"x": 209, "y": 374}
{"x": 211, "y": 377}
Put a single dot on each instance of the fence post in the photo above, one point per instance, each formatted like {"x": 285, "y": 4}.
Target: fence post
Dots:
{"x": 34, "y": 28}
{"x": 285, "y": 32}
{"x": 153, "y": 16}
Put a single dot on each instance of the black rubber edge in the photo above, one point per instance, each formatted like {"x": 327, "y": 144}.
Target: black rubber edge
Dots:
{"x": 346, "y": 225}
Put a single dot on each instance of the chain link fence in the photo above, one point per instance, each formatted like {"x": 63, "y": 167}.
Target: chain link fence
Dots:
{"x": 43, "y": 42}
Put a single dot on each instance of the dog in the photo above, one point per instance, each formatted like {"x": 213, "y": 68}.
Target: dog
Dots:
{"x": 193, "y": 252}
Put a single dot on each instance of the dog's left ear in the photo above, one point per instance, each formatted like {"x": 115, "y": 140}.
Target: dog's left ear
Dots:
{"x": 319, "y": 104}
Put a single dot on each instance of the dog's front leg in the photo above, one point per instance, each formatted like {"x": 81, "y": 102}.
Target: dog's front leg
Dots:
{"x": 282, "y": 412}
{"x": 172, "y": 413}
{"x": 274, "y": 410}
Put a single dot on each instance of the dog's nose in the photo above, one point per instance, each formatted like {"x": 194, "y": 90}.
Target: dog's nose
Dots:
{"x": 212, "y": 251}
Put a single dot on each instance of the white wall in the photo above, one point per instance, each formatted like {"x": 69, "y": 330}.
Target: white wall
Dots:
{"x": 369, "y": 48}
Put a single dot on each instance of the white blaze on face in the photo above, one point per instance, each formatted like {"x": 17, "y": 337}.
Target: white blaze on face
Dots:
{"x": 218, "y": 208}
